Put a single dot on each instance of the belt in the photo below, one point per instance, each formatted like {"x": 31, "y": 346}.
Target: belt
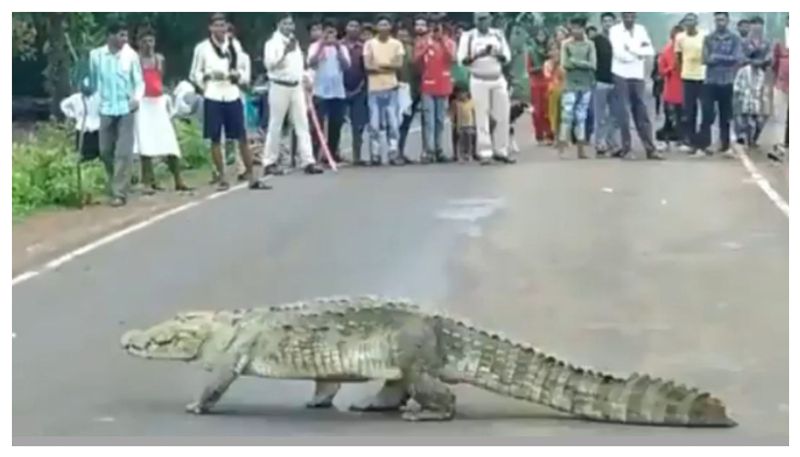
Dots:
{"x": 285, "y": 83}
{"x": 486, "y": 77}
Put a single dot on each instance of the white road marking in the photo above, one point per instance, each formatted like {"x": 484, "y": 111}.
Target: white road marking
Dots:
{"x": 608, "y": 190}
{"x": 764, "y": 184}
{"x": 13, "y": 335}
{"x": 72, "y": 255}
{"x": 104, "y": 419}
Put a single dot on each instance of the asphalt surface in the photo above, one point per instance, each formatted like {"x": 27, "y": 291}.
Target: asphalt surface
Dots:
{"x": 678, "y": 269}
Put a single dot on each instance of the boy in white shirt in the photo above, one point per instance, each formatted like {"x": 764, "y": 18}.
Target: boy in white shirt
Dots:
{"x": 85, "y": 112}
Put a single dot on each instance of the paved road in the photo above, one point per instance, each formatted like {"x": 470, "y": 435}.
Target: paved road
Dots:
{"x": 679, "y": 269}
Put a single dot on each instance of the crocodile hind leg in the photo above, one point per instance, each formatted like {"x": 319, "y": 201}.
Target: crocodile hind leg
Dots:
{"x": 431, "y": 400}
{"x": 222, "y": 377}
{"x": 323, "y": 394}
{"x": 391, "y": 397}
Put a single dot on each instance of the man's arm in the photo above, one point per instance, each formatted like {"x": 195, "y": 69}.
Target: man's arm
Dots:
{"x": 566, "y": 61}
{"x": 620, "y": 51}
{"x": 343, "y": 55}
{"x": 449, "y": 50}
{"x": 462, "y": 53}
{"x": 197, "y": 71}
{"x": 644, "y": 48}
{"x": 274, "y": 54}
{"x": 420, "y": 48}
{"x": 504, "y": 54}
{"x": 136, "y": 78}
{"x": 369, "y": 60}
{"x": 315, "y": 52}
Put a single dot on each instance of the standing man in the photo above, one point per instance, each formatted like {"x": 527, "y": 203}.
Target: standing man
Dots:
{"x": 410, "y": 75}
{"x": 329, "y": 59}
{"x": 355, "y": 87}
{"x": 631, "y": 46}
{"x": 116, "y": 75}
{"x": 218, "y": 70}
{"x": 434, "y": 55}
{"x": 285, "y": 69}
{"x": 485, "y": 51}
{"x": 154, "y": 131}
{"x": 383, "y": 57}
{"x": 579, "y": 59}
{"x": 722, "y": 53}
{"x": 689, "y": 54}
{"x": 758, "y": 51}
{"x": 604, "y": 125}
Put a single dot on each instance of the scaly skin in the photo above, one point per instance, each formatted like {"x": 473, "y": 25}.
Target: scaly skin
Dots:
{"x": 417, "y": 354}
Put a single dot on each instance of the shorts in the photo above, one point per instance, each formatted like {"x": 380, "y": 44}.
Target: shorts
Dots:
{"x": 217, "y": 115}
{"x": 91, "y": 145}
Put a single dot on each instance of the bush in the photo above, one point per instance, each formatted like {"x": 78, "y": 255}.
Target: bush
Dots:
{"x": 44, "y": 172}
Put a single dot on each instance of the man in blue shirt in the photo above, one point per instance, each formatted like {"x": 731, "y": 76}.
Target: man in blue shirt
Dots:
{"x": 329, "y": 59}
{"x": 115, "y": 74}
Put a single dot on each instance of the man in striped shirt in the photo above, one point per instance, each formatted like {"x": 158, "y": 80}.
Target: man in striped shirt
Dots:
{"x": 116, "y": 76}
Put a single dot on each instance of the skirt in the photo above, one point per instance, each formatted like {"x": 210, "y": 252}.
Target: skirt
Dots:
{"x": 155, "y": 135}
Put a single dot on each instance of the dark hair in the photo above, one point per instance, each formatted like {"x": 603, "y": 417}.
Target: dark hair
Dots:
{"x": 329, "y": 24}
{"x": 723, "y": 14}
{"x": 217, "y": 17}
{"x": 145, "y": 31}
{"x": 383, "y": 17}
{"x": 743, "y": 21}
{"x": 757, "y": 20}
{"x": 115, "y": 26}
{"x": 421, "y": 17}
{"x": 605, "y": 15}
{"x": 591, "y": 28}
{"x": 578, "y": 21}
{"x": 312, "y": 24}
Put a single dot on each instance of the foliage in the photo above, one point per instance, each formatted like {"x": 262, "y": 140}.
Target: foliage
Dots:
{"x": 44, "y": 171}
{"x": 44, "y": 167}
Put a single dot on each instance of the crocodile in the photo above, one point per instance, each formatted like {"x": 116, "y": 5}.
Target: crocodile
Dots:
{"x": 417, "y": 355}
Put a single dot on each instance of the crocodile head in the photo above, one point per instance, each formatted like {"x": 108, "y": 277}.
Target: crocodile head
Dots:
{"x": 184, "y": 337}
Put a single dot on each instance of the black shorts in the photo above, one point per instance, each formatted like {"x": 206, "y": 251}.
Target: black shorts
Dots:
{"x": 91, "y": 145}
{"x": 217, "y": 115}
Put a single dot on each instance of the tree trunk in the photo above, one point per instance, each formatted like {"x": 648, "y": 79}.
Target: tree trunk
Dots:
{"x": 57, "y": 80}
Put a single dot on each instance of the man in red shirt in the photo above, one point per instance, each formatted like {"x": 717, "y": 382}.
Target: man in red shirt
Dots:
{"x": 434, "y": 55}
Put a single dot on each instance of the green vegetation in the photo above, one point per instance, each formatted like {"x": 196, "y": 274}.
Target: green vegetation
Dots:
{"x": 44, "y": 168}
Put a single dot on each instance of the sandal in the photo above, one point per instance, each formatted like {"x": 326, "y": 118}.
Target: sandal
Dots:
{"x": 259, "y": 185}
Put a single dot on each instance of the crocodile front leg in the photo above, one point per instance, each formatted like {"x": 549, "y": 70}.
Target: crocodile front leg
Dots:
{"x": 222, "y": 377}
{"x": 323, "y": 394}
{"x": 391, "y": 397}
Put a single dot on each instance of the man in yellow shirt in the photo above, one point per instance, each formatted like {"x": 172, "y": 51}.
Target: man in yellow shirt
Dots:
{"x": 383, "y": 58}
{"x": 689, "y": 53}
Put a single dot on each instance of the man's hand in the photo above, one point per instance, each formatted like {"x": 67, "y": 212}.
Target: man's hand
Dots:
{"x": 291, "y": 46}
{"x": 133, "y": 105}
{"x": 234, "y": 76}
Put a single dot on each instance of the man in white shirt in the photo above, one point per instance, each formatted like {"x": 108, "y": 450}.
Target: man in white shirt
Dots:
{"x": 631, "y": 46}
{"x": 218, "y": 69}
{"x": 284, "y": 61}
{"x": 484, "y": 51}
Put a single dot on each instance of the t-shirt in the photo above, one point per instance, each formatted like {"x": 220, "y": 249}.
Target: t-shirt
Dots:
{"x": 691, "y": 47}
{"x": 379, "y": 53}
{"x": 579, "y": 60}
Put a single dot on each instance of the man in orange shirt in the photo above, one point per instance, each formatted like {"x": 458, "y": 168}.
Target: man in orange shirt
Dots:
{"x": 434, "y": 54}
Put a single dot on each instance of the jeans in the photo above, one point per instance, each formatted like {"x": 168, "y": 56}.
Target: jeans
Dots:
{"x": 332, "y": 110}
{"x": 383, "y": 105}
{"x": 630, "y": 96}
{"x": 434, "y": 110}
{"x": 116, "y": 140}
{"x": 692, "y": 94}
{"x": 574, "y": 109}
{"x": 717, "y": 97}
{"x": 357, "y": 111}
{"x": 605, "y": 129}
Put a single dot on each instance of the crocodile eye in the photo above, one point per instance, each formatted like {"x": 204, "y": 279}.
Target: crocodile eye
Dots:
{"x": 162, "y": 338}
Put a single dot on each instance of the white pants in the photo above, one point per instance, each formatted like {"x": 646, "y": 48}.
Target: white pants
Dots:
{"x": 289, "y": 101}
{"x": 491, "y": 99}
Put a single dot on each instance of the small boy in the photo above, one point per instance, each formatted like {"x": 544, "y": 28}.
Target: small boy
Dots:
{"x": 462, "y": 115}
{"x": 748, "y": 102}
{"x": 85, "y": 112}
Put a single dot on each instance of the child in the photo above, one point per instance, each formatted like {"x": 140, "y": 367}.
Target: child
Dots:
{"x": 75, "y": 107}
{"x": 748, "y": 101}
{"x": 579, "y": 61}
{"x": 462, "y": 116}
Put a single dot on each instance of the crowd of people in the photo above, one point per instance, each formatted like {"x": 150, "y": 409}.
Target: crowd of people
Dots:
{"x": 581, "y": 83}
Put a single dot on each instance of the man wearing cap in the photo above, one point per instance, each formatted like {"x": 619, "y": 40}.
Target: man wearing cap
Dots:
{"x": 484, "y": 51}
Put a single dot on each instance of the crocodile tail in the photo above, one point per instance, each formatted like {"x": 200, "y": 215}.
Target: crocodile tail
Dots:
{"x": 496, "y": 364}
